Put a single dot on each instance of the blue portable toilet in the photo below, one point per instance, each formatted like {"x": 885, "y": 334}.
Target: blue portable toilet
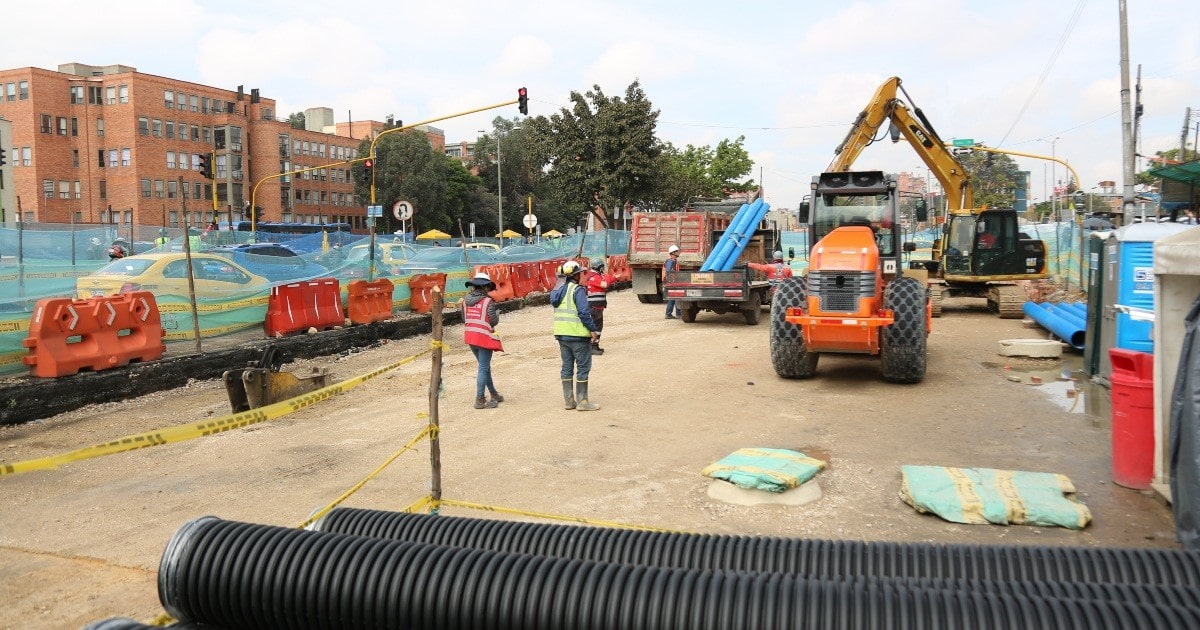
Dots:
{"x": 1128, "y": 280}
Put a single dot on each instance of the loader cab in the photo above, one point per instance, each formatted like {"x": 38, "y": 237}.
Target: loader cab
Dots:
{"x": 985, "y": 243}
{"x": 862, "y": 199}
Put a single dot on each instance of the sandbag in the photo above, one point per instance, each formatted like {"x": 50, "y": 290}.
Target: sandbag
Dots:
{"x": 985, "y": 495}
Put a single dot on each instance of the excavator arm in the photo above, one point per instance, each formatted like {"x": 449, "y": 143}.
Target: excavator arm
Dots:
{"x": 885, "y": 106}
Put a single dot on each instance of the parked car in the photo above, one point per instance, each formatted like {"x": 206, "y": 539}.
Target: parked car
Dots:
{"x": 487, "y": 246}
{"x": 524, "y": 253}
{"x": 272, "y": 261}
{"x": 437, "y": 259}
{"x": 166, "y": 274}
{"x": 388, "y": 258}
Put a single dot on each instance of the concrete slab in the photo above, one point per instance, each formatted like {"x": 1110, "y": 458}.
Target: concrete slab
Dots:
{"x": 729, "y": 493}
{"x": 1035, "y": 348}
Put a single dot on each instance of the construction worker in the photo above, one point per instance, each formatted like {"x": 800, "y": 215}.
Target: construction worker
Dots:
{"x": 118, "y": 250}
{"x": 480, "y": 317}
{"x": 575, "y": 331}
{"x": 162, "y": 239}
{"x": 672, "y": 264}
{"x": 598, "y": 283}
{"x": 776, "y": 271}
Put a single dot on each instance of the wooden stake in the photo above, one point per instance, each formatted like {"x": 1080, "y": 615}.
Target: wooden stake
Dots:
{"x": 435, "y": 384}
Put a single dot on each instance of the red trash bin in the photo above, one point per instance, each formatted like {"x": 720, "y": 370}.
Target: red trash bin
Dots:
{"x": 1132, "y": 417}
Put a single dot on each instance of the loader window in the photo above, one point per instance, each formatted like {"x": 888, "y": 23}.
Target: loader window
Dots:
{"x": 834, "y": 211}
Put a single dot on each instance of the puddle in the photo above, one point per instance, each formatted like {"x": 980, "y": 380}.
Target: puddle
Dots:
{"x": 1062, "y": 382}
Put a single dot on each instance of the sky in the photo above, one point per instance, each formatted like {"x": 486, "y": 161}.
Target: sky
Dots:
{"x": 1035, "y": 76}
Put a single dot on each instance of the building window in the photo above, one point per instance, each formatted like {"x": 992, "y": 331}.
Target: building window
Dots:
{"x": 170, "y": 159}
{"x": 156, "y": 128}
{"x": 75, "y": 158}
{"x": 26, "y": 156}
{"x": 95, "y": 96}
{"x": 173, "y": 217}
{"x": 100, "y": 127}
{"x": 204, "y": 105}
{"x": 145, "y": 188}
{"x": 172, "y": 189}
{"x": 100, "y": 158}
{"x": 78, "y": 189}
{"x": 110, "y": 95}
{"x": 195, "y": 162}
{"x": 77, "y": 95}
{"x": 206, "y": 134}
{"x": 169, "y": 99}
{"x": 64, "y": 189}
{"x": 197, "y": 190}
{"x": 123, "y": 92}
{"x": 10, "y": 91}
{"x": 62, "y": 126}
{"x": 23, "y": 90}
{"x": 195, "y": 133}
{"x": 195, "y": 100}
{"x": 112, "y": 158}
{"x": 171, "y": 129}
{"x": 48, "y": 188}
{"x": 125, "y": 157}
{"x": 74, "y": 126}
{"x": 103, "y": 189}
{"x": 158, "y": 188}
{"x": 143, "y": 126}
{"x": 47, "y": 122}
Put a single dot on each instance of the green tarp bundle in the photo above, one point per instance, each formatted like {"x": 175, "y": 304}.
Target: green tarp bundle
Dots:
{"x": 985, "y": 495}
{"x": 770, "y": 469}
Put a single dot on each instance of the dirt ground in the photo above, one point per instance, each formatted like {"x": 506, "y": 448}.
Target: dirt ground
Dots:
{"x": 82, "y": 543}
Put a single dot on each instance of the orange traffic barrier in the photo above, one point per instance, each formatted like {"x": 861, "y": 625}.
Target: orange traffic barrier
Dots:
{"x": 502, "y": 276}
{"x": 618, "y": 266}
{"x": 420, "y": 288}
{"x": 368, "y": 302}
{"x": 298, "y": 306}
{"x": 549, "y": 273}
{"x": 99, "y": 333}
{"x": 526, "y": 278}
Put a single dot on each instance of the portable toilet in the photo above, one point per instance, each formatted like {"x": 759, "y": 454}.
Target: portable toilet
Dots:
{"x": 1095, "y": 301}
{"x": 1128, "y": 280}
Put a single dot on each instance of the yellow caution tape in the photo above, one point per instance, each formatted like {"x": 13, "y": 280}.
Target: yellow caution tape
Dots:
{"x": 16, "y": 325}
{"x": 199, "y": 429}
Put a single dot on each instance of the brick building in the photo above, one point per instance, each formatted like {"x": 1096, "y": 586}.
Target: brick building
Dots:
{"x": 111, "y": 144}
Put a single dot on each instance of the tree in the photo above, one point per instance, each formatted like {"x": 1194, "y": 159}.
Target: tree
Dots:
{"x": 701, "y": 172}
{"x": 601, "y": 152}
{"x": 994, "y": 178}
{"x": 296, "y": 120}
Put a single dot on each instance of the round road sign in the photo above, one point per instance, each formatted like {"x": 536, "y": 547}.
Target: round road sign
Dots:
{"x": 530, "y": 221}
{"x": 402, "y": 210}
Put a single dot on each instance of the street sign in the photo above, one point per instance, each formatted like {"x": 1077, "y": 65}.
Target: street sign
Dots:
{"x": 530, "y": 221}
{"x": 402, "y": 210}
{"x": 963, "y": 150}
{"x": 374, "y": 211}
{"x": 964, "y": 142}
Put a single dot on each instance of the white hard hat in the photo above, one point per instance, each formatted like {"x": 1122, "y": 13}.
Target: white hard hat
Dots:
{"x": 672, "y": 249}
{"x": 481, "y": 279}
{"x": 569, "y": 268}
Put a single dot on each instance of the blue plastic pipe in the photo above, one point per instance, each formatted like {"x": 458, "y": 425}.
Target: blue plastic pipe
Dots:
{"x": 708, "y": 262}
{"x": 1065, "y": 313}
{"x": 1078, "y": 307}
{"x": 1069, "y": 332}
{"x": 741, "y": 238}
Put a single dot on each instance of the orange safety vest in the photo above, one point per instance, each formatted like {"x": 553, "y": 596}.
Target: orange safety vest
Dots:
{"x": 476, "y": 329}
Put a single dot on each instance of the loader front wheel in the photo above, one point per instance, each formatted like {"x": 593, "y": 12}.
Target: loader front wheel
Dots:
{"x": 788, "y": 355}
{"x": 902, "y": 344}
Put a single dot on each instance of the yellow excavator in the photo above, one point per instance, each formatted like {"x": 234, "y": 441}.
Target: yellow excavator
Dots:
{"x": 981, "y": 251}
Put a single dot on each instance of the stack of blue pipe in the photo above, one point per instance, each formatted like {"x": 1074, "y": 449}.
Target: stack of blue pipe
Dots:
{"x": 736, "y": 237}
{"x": 1067, "y": 320}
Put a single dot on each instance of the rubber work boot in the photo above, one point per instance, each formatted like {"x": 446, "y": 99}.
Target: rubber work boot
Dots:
{"x": 484, "y": 403}
{"x": 582, "y": 394}
{"x": 596, "y": 349}
{"x": 497, "y": 397}
{"x": 568, "y": 394}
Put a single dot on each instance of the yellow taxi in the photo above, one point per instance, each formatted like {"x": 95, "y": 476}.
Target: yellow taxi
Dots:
{"x": 216, "y": 277}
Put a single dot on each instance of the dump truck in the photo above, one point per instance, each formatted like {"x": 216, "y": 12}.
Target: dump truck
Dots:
{"x": 856, "y": 297}
{"x": 739, "y": 290}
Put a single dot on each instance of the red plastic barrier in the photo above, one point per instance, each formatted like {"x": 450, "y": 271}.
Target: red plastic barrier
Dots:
{"x": 99, "y": 333}
{"x": 1132, "y": 417}
{"x": 420, "y": 287}
{"x": 368, "y": 302}
{"x": 526, "y": 278}
{"x": 502, "y": 276}
{"x": 298, "y": 306}
{"x": 618, "y": 266}
{"x": 549, "y": 273}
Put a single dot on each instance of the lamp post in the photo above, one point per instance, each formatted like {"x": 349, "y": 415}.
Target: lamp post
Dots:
{"x": 499, "y": 189}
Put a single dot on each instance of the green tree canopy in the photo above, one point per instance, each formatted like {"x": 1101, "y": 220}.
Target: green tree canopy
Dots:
{"x": 994, "y": 178}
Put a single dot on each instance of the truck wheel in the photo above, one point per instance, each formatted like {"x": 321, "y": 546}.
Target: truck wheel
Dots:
{"x": 751, "y": 314}
{"x": 902, "y": 345}
{"x": 644, "y": 299}
{"x": 688, "y": 313}
{"x": 788, "y": 354}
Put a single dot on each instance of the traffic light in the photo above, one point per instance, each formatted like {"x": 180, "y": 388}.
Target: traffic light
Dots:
{"x": 3, "y": 158}
{"x": 206, "y": 165}
{"x": 523, "y": 101}
{"x": 367, "y": 172}
{"x": 921, "y": 210}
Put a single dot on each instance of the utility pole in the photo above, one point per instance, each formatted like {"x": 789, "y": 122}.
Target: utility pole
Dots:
{"x": 1187, "y": 119}
{"x": 1127, "y": 149}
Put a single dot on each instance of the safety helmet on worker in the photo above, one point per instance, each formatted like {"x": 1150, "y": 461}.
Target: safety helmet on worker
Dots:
{"x": 672, "y": 249}
{"x": 778, "y": 255}
{"x": 597, "y": 265}
{"x": 569, "y": 268}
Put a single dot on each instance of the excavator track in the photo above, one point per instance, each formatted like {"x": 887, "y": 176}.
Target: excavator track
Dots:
{"x": 1006, "y": 300}
{"x": 936, "y": 294}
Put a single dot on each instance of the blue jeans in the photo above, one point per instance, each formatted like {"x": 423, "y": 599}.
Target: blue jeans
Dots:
{"x": 483, "y": 377}
{"x": 576, "y": 357}
{"x": 672, "y": 307}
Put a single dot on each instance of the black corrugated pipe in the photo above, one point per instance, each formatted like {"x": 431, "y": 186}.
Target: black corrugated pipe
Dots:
{"x": 816, "y": 558}
{"x": 242, "y": 575}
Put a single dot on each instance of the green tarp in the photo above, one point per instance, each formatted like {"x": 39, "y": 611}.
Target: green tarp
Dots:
{"x": 1002, "y": 497}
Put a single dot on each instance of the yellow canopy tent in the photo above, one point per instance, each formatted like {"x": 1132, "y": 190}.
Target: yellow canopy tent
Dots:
{"x": 508, "y": 234}
{"x": 551, "y": 234}
{"x": 432, "y": 235}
